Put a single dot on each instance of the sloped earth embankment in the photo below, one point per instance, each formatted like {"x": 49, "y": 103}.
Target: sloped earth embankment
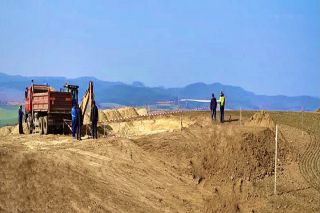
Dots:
{"x": 203, "y": 167}
{"x": 310, "y": 163}
{"x": 96, "y": 176}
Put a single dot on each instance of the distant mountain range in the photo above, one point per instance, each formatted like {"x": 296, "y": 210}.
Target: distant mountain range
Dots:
{"x": 137, "y": 94}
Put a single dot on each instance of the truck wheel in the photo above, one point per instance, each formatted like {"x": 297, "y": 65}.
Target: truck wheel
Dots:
{"x": 29, "y": 124}
{"x": 45, "y": 125}
{"x": 41, "y": 125}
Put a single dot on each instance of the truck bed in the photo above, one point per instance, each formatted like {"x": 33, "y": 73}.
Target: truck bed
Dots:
{"x": 52, "y": 102}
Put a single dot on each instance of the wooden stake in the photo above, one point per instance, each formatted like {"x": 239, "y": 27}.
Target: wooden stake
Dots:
{"x": 276, "y": 161}
{"x": 181, "y": 120}
{"x": 302, "y": 120}
{"x": 240, "y": 116}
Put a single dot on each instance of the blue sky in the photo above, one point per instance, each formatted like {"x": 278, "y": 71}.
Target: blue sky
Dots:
{"x": 267, "y": 46}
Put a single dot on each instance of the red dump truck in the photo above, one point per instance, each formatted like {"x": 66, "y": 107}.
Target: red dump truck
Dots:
{"x": 46, "y": 109}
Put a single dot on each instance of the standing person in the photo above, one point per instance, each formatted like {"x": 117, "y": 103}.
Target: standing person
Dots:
{"x": 20, "y": 118}
{"x": 213, "y": 107}
{"x": 80, "y": 122}
{"x": 94, "y": 116}
{"x": 222, "y": 105}
{"x": 74, "y": 116}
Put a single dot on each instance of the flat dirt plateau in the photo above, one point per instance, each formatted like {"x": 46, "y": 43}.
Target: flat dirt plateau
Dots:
{"x": 144, "y": 165}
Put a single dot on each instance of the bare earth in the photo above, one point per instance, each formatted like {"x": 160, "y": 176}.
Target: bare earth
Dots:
{"x": 151, "y": 164}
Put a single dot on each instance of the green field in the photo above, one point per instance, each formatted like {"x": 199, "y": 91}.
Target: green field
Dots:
{"x": 8, "y": 115}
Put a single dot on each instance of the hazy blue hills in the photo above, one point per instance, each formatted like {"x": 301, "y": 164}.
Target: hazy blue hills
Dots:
{"x": 137, "y": 94}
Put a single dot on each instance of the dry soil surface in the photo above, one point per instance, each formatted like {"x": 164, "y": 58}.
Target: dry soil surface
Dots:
{"x": 155, "y": 164}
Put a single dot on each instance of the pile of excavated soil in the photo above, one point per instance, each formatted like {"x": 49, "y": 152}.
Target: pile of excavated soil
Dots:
{"x": 142, "y": 111}
{"x": 7, "y": 130}
{"x": 149, "y": 126}
{"x": 122, "y": 113}
{"x": 223, "y": 152}
{"x": 113, "y": 176}
{"x": 128, "y": 112}
{"x": 261, "y": 119}
{"x": 247, "y": 155}
{"x": 112, "y": 114}
{"x": 208, "y": 167}
{"x": 86, "y": 119}
{"x": 15, "y": 129}
{"x": 4, "y": 131}
{"x": 117, "y": 114}
{"x": 102, "y": 116}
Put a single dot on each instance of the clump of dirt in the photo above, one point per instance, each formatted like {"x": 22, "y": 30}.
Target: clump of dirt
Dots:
{"x": 261, "y": 119}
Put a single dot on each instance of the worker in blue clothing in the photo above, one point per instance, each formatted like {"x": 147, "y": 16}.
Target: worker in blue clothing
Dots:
{"x": 74, "y": 115}
{"x": 222, "y": 106}
{"x": 213, "y": 107}
{"x": 20, "y": 118}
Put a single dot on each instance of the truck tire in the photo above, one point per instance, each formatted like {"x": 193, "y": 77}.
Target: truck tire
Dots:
{"x": 41, "y": 125}
{"x": 45, "y": 125}
{"x": 29, "y": 124}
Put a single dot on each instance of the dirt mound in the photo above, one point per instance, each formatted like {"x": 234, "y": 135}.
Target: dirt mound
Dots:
{"x": 4, "y": 131}
{"x": 254, "y": 158}
{"x": 128, "y": 112}
{"x": 112, "y": 114}
{"x": 123, "y": 113}
{"x": 102, "y": 116}
{"x": 15, "y": 129}
{"x": 318, "y": 110}
{"x": 89, "y": 177}
{"x": 261, "y": 119}
{"x": 149, "y": 126}
{"x": 224, "y": 152}
{"x": 7, "y": 130}
{"x": 86, "y": 119}
{"x": 142, "y": 111}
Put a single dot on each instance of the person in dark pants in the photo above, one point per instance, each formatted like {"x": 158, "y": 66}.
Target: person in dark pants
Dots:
{"x": 80, "y": 122}
{"x": 94, "y": 116}
{"x": 74, "y": 116}
{"x": 213, "y": 107}
{"x": 222, "y": 105}
{"x": 20, "y": 118}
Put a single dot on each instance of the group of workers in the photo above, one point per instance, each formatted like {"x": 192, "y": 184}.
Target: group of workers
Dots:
{"x": 77, "y": 120}
{"x": 213, "y": 106}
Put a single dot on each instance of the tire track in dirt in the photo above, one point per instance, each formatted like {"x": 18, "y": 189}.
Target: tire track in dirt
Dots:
{"x": 310, "y": 164}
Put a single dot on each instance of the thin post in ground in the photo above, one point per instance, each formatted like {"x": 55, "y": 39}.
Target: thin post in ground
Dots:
{"x": 275, "y": 161}
{"x": 240, "y": 116}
